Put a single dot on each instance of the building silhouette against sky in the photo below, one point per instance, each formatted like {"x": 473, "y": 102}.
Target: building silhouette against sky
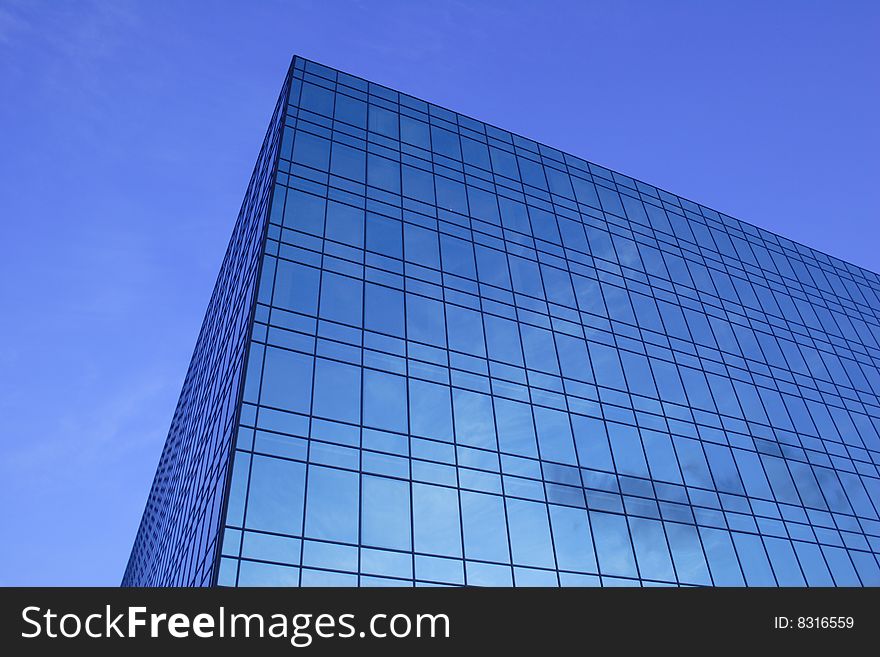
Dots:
{"x": 441, "y": 353}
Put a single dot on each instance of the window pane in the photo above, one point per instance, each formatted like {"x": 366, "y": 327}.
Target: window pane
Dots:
{"x": 487, "y": 574}
{"x": 589, "y": 298}
{"x": 573, "y": 357}
{"x": 592, "y": 443}
{"x": 254, "y": 573}
{"x": 785, "y": 564}
{"x": 756, "y": 567}
{"x": 304, "y": 212}
{"x": 341, "y": 298}
{"x": 780, "y": 479}
{"x": 749, "y": 466}
{"x": 385, "y": 401}
{"x": 722, "y": 559}
{"x": 275, "y": 496}
{"x": 526, "y": 277}
{"x": 613, "y": 545}
{"x": 617, "y": 302}
{"x": 415, "y": 132}
{"x": 431, "y": 410}
{"x": 693, "y": 462}
{"x": 697, "y": 389}
{"x": 627, "y": 448}
{"x": 532, "y": 173}
{"x": 418, "y": 184}
{"x": 492, "y": 267}
{"x": 651, "y": 551}
{"x": 813, "y": 565}
{"x": 606, "y": 366}
{"x": 421, "y": 246}
{"x": 271, "y": 548}
{"x": 351, "y": 110}
{"x": 475, "y": 153}
{"x": 516, "y": 434}
{"x": 383, "y": 310}
{"x": 474, "y": 422}
{"x": 383, "y": 173}
{"x": 345, "y": 224}
{"x": 311, "y": 150}
{"x": 485, "y": 530}
{"x": 554, "y": 435}
{"x": 384, "y": 236}
{"x": 724, "y": 471}
{"x": 337, "y": 391}
{"x": 866, "y": 566}
{"x": 436, "y": 521}
{"x": 661, "y": 456}
{"x": 668, "y": 381}
{"x": 539, "y": 349}
{"x": 573, "y": 540}
{"x": 530, "y": 533}
{"x": 332, "y": 504}
{"x": 458, "y": 256}
{"x": 316, "y": 99}
{"x": 503, "y": 163}
{"x": 296, "y": 287}
{"x": 638, "y": 374}
{"x": 502, "y": 336}
{"x": 386, "y": 518}
{"x": 514, "y": 215}
{"x": 348, "y": 162}
{"x": 544, "y": 225}
{"x": 687, "y": 553}
{"x": 424, "y": 320}
{"x": 383, "y": 121}
{"x": 465, "y": 330}
{"x": 287, "y": 380}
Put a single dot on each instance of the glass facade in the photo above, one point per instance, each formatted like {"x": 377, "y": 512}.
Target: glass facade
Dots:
{"x": 474, "y": 359}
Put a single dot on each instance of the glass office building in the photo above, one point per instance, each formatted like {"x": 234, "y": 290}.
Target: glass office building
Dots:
{"x": 439, "y": 353}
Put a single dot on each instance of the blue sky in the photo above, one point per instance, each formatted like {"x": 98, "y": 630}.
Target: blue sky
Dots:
{"x": 130, "y": 130}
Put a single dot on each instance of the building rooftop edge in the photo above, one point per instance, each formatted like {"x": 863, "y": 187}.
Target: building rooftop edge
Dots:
{"x": 846, "y": 263}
